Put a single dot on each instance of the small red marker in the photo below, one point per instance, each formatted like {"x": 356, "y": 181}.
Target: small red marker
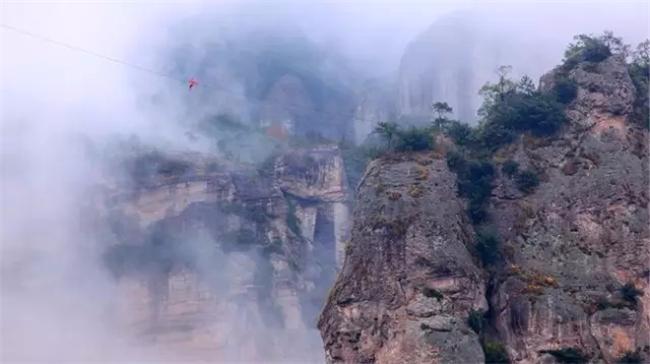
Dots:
{"x": 192, "y": 82}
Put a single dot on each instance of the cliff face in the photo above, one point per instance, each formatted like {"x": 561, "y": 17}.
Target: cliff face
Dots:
{"x": 225, "y": 263}
{"x": 585, "y": 229}
{"x": 408, "y": 278}
{"x": 570, "y": 248}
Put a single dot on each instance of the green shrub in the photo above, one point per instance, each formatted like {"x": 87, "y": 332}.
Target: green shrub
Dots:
{"x": 510, "y": 108}
{"x": 639, "y": 71}
{"x": 491, "y": 135}
{"x": 409, "y": 140}
{"x": 455, "y": 161}
{"x": 460, "y": 133}
{"x": 526, "y": 181}
{"x": 476, "y": 211}
{"x": 474, "y": 181}
{"x": 565, "y": 89}
{"x": 631, "y": 357}
{"x": 487, "y": 247}
{"x": 495, "y": 352}
{"x": 534, "y": 112}
{"x": 432, "y": 293}
{"x": 510, "y": 167}
{"x": 587, "y": 48}
{"x": 568, "y": 355}
{"x": 475, "y": 320}
{"x": 414, "y": 139}
{"x": 630, "y": 293}
{"x": 603, "y": 304}
{"x": 595, "y": 51}
{"x": 387, "y": 131}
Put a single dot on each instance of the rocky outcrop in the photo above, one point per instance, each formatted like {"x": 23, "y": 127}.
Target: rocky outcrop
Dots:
{"x": 574, "y": 277}
{"x": 584, "y": 231}
{"x": 409, "y": 281}
{"x": 221, "y": 262}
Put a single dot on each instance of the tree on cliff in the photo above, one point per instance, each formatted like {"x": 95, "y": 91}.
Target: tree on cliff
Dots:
{"x": 639, "y": 70}
{"x": 441, "y": 109}
{"x": 387, "y": 131}
{"x": 592, "y": 48}
{"x": 513, "y": 107}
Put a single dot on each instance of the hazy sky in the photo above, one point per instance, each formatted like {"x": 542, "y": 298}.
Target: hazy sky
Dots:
{"x": 372, "y": 33}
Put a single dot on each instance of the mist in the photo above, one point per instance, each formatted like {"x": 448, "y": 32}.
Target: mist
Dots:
{"x": 73, "y": 122}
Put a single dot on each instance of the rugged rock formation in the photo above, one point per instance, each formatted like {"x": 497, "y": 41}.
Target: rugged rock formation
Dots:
{"x": 575, "y": 251}
{"x": 409, "y": 280}
{"x": 584, "y": 230}
{"x": 221, "y": 262}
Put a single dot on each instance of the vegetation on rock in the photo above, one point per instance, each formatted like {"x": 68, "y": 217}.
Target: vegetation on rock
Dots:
{"x": 432, "y": 293}
{"x": 526, "y": 181}
{"x": 568, "y": 355}
{"x": 474, "y": 182}
{"x": 639, "y": 70}
{"x": 510, "y": 167}
{"x": 631, "y": 357}
{"x": 511, "y": 108}
{"x": 630, "y": 293}
{"x": 495, "y": 352}
{"x": 487, "y": 247}
{"x": 475, "y": 320}
{"x": 404, "y": 140}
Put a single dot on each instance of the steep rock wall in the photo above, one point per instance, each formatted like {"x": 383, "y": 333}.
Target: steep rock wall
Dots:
{"x": 224, "y": 263}
{"x": 408, "y": 280}
{"x": 584, "y": 229}
{"x": 575, "y": 251}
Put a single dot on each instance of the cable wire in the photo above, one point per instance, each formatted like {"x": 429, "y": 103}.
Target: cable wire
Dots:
{"x": 90, "y": 52}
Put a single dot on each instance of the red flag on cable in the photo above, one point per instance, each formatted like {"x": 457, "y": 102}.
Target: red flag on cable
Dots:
{"x": 192, "y": 82}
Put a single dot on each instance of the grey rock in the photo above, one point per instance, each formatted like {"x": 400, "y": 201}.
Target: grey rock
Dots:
{"x": 584, "y": 230}
{"x": 408, "y": 281}
{"x": 235, "y": 263}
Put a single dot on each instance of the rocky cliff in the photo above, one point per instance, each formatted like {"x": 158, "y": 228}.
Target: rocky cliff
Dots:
{"x": 573, "y": 282}
{"x": 408, "y": 278}
{"x": 585, "y": 230}
{"x": 224, "y": 262}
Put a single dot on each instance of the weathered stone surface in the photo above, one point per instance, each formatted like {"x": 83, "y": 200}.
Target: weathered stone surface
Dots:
{"x": 585, "y": 228}
{"x": 223, "y": 263}
{"x": 312, "y": 174}
{"x": 408, "y": 281}
{"x": 569, "y": 247}
{"x": 603, "y": 88}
